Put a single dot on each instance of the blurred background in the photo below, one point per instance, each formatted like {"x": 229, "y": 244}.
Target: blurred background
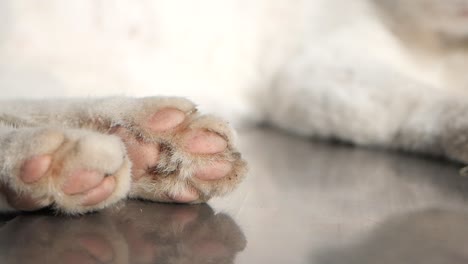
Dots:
{"x": 204, "y": 50}
{"x": 214, "y": 52}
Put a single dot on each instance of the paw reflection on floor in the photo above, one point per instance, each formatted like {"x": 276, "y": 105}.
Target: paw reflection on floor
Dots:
{"x": 136, "y": 232}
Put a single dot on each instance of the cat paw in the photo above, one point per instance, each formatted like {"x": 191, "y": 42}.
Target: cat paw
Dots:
{"x": 178, "y": 155}
{"x": 76, "y": 171}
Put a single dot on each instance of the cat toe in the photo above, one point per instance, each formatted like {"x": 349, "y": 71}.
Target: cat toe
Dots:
{"x": 81, "y": 181}
{"x": 99, "y": 193}
{"x": 185, "y": 196}
{"x": 204, "y": 142}
{"x": 165, "y": 119}
{"x": 214, "y": 171}
{"x": 35, "y": 168}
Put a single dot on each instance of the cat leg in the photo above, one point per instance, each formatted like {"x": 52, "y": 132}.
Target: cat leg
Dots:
{"x": 178, "y": 155}
{"x": 367, "y": 103}
{"x": 74, "y": 170}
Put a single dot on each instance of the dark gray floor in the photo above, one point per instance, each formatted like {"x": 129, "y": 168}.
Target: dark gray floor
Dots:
{"x": 303, "y": 202}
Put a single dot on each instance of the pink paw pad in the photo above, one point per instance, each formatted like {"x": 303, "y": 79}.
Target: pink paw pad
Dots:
{"x": 35, "y": 168}
{"x": 94, "y": 186}
{"x": 165, "y": 119}
{"x": 100, "y": 193}
{"x": 81, "y": 181}
{"x": 204, "y": 142}
{"x": 187, "y": 196}
{"x": 214, "y": 171}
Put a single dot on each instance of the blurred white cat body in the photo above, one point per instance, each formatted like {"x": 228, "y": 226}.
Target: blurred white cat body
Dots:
{"x": 330, "y": 68}
{"x": 215, "y": 52}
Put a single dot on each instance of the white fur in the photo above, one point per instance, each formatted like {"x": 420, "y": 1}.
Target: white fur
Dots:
{"x": 363, "y": 71}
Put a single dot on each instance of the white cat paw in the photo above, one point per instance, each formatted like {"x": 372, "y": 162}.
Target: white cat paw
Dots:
{"x": 177, "y": 154}
{"x": 75, "y": 171}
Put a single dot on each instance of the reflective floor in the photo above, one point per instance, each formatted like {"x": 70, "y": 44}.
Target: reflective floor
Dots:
{"x": 303, "y": 202}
